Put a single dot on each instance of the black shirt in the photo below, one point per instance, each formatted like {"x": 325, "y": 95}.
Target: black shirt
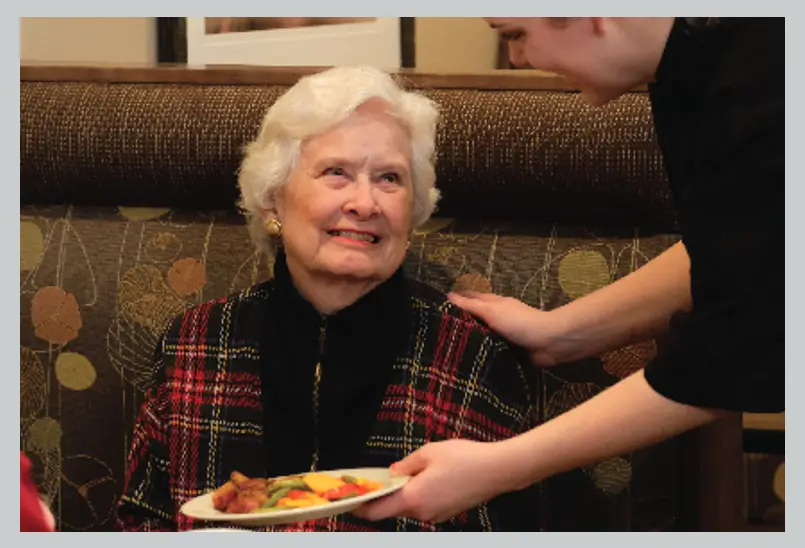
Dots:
{"x": 718, "y": 105}
{"x": 356, "y": 348}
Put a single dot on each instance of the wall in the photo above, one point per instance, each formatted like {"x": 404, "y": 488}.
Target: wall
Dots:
{"x": 116, "y": 40}
{"x": 443, "y": 44}
{"x": 455, "y": 44}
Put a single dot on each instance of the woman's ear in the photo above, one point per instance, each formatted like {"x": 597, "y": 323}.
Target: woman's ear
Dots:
{"x": 268, "y": 214}
{"x": 277, "y": 206}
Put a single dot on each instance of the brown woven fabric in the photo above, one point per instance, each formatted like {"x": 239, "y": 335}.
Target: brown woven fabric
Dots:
{"x": 548, "y": 157}
{"x": 541, "y": 156}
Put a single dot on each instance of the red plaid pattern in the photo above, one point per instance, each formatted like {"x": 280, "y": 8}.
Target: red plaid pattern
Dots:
{"x": 202, "y": 417}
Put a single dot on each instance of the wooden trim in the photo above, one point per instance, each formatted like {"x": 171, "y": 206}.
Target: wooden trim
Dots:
{"x": 713, "y": 496}
{"x": 171, "y": 40}
{"x": 407, "y": 45}
{"x": 764, "y": 421}
{"x": 283, "y": 76}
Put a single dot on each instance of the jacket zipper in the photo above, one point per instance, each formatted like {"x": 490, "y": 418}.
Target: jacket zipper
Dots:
{"x": 316, "y": 385}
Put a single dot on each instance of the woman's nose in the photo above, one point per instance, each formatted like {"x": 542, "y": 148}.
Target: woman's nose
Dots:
{"x": 362, "y": 203}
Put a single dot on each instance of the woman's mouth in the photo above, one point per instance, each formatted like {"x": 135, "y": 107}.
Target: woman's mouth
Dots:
{"x": 363, "y": 237}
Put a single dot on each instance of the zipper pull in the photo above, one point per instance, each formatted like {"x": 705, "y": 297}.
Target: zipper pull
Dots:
{"x": 316, "y": 385}
{"x": 322, "y": 333}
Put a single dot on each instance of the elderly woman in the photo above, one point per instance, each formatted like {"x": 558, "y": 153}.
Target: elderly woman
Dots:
{"x": 338, "y": 361}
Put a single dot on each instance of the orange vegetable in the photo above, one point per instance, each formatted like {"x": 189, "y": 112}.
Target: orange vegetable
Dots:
{"x": 321, "y": 483}
{"x": 293, "y": 503}
{"x": 306, "y": 501}
{"x": 369, "y": 484}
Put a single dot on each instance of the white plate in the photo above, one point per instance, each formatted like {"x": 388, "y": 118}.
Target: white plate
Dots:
{"x": 201, "y": 508}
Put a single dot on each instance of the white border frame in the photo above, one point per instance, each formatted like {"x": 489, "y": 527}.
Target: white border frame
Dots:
{"x": 373, "y": 43}
{"x": 795, "y": 232}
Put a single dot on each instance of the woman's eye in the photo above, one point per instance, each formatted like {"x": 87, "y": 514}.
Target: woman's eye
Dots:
{"x": 335, "y": 171}
{"x": 390, "y": 177}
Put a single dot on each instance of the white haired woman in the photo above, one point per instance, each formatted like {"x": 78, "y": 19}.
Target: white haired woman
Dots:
{"x": 338, "y": 361}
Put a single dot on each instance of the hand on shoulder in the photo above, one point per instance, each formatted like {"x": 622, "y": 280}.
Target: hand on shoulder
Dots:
{"x": 522, "y": 325}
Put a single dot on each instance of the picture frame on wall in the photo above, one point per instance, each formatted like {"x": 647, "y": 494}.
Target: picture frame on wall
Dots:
{"x": 383, "y": 42}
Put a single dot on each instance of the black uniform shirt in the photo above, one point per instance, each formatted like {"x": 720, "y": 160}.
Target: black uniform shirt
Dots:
{"x": 719, "y": 106}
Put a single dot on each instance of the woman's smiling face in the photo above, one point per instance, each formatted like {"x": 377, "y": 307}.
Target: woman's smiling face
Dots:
{"x": 347, "y": 207}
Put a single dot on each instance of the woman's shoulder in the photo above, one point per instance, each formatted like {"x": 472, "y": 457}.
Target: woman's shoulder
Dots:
{"x": 464, "y": 349}
{"x": 435, "y": 306}
{"x": 225, "y": 325}
{"x": 227, "y": 312}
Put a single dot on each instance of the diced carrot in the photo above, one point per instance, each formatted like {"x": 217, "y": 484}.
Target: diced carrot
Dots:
{"x": 284, "y": 502}
{"x": 317, "y": 500}
{"x": 301, "y": 503}
{"x": 343, "y": 491}
{"x": 369, "y": 484}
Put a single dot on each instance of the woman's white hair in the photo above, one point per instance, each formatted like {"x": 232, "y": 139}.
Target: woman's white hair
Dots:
{"x": 313, "y": 106}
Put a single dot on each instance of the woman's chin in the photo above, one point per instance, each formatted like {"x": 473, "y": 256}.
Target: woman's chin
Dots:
{"x": 359, "y": 266}
{"x": 357, "y": 272}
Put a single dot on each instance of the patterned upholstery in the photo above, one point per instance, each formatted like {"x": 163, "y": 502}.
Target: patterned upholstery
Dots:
{"x": 127, "y": 218}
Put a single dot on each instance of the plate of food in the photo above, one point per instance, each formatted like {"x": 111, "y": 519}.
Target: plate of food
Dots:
{"x": 274, "y": 501}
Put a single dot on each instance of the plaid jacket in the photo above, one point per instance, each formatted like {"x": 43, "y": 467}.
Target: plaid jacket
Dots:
{"x": 203, "y": 415}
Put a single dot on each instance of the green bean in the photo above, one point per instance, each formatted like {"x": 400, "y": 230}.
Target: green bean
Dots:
{"x": 294, "y": 483}
{"x": 276, "y": 496}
